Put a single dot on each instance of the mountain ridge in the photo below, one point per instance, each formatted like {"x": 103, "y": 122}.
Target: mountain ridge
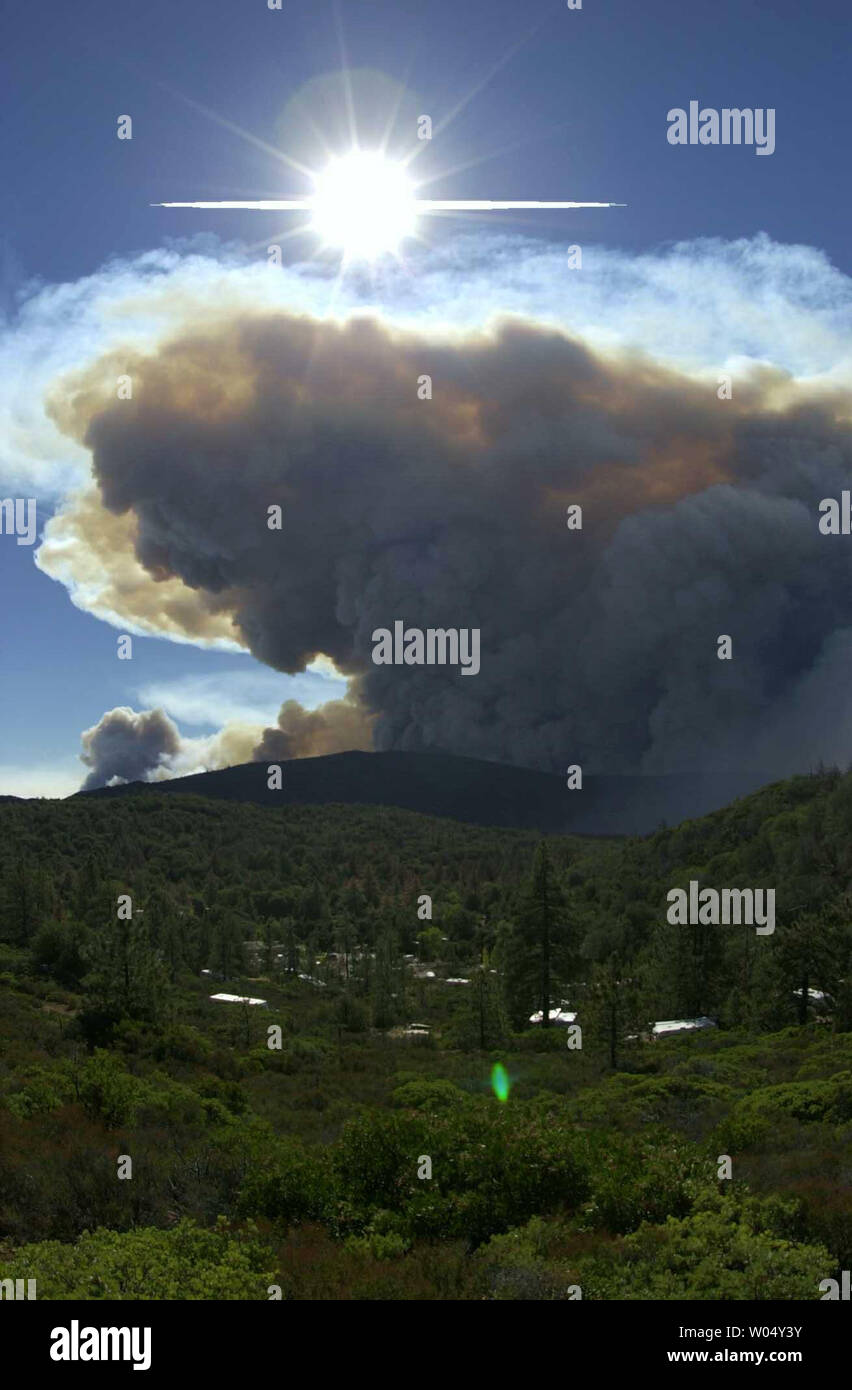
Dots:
{"x": 470, "y": 790}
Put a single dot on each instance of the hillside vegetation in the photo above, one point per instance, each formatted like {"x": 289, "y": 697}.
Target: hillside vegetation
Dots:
{"x": 301, "y": 1166}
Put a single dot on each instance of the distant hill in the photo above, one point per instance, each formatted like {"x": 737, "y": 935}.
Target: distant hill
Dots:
{"x": 465, "y": 789}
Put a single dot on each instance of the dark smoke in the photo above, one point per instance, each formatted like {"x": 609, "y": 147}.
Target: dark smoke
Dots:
{"x": 126, "y": 746}
{"x": 598, "y": 646}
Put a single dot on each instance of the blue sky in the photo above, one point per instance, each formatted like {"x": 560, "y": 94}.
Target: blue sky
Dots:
{"x": 563, "y": 104}
{"x": 587, "y": 91}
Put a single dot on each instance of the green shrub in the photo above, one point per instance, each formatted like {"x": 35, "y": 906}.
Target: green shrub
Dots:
{"x": 108, "y": 1092}
{"x": 640, "y": 1179}
{"x": 758, "y": 1116}
{"x": 186, "y": 1262}
{"x": 424, "y": 1094}
{"x": 678, "y": 1101}
{"x": 520, "y": 1264}
{"x": 377, "y": 1245}
{"x": 710, "y": 1254}
{"x": 183, "y": 1043}
{"x": 491, "y": 1169}
{"x": 295, "y": 1185}
{"x": 42, "y": 1089}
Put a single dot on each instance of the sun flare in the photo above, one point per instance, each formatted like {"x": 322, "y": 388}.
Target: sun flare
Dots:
{"x": 363, "y": 204}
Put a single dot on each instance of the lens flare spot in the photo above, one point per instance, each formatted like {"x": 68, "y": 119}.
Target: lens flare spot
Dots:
{"x": 500, "y": 1083}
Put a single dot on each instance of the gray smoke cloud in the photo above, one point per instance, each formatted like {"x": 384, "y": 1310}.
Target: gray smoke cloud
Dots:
{"x": 127, "y": 746}
{"x": 597, "y": 646}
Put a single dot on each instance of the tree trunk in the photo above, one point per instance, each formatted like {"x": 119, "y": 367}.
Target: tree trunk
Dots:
{"x": 803, "y": 1002}
{"x": 545, "y": 953}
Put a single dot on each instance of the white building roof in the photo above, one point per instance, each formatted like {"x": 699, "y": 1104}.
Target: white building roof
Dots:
{"x": 560, "y": 1015}
{"x": 236, "y": 999}
{"x": 681, "y": 1025}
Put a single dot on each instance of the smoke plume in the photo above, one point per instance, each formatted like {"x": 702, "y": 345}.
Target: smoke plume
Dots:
{"x": 598, "y": 646}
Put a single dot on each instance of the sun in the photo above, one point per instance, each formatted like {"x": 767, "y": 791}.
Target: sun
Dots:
{"x": 364, "y": 205}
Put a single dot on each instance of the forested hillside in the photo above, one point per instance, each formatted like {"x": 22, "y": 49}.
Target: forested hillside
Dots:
{"x": 400, "y": 959}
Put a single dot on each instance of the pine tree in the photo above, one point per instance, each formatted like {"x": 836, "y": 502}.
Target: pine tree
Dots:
{"x": 810, "y": 952}
{"x": 269, "y": 946}
{"x": 685, "y": 966}
{"x": 384, "y": 1006}
{"x": 93, "y": 895}
{"x": 611, "y": 1005}
{"x": 537, "y": 952}
{"x": 291, "y": 946}
{"x": 227, "y": 945}
{"x": 127, "y": 977}
{"x": 27, "y": 902}
{"x": 483, "y": 1024}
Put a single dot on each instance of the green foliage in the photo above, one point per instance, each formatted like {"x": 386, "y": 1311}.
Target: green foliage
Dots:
{"x": 756, "y": 1118}
{"x": 289, "y": 1186}
{"x": 638, "y": 1180}
{"x": 58, "y": 949}
{"x": 109, "y": 1092}
{"x": 522, "y": 1264}
{"x": 183, "y": 1263}
{"x": 352, "y": 1013}
{"x": 422, "y": 1094}
{"x": 709, "y": 1254}
{"x": 587, "y": 1175}
{"x": 490, "y": 1169}
{"x": 637, "y": 1101}
{"x": 42, "y": 1089}
{"x": 377, "y": 1244}
{"x": 127, "y": 978}
{"x": 536, "y": 953}
{"x": 183, "y": 1043}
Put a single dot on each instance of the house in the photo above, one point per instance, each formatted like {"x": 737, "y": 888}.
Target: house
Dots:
{"x": 561, "y": 1015}
{"x": 815, "y": 996}
{"x": 669, "y": 1027}
{"x": 238, "y": 999}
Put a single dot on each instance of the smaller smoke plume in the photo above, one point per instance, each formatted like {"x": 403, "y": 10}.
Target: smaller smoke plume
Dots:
{"x": 127, "y": 746}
